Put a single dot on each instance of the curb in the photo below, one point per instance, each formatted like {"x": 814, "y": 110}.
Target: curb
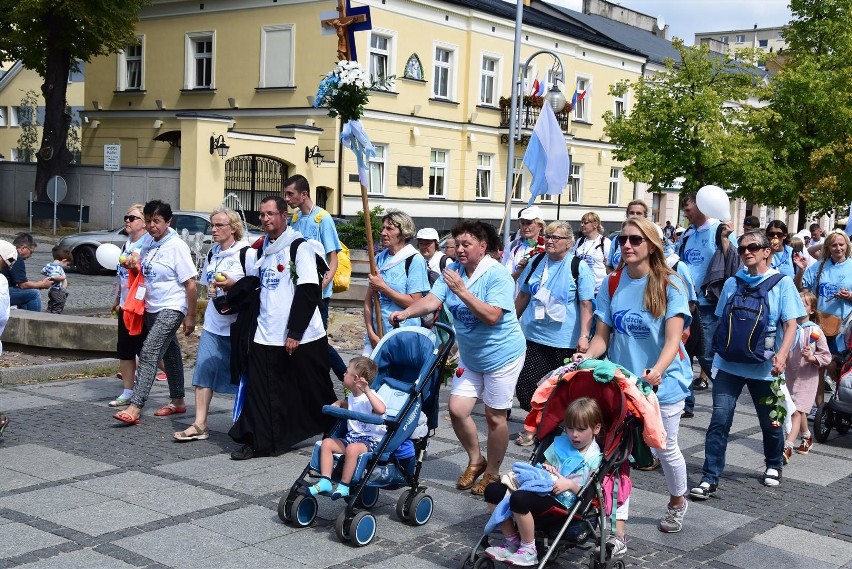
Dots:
{"x": 62, "y": 370}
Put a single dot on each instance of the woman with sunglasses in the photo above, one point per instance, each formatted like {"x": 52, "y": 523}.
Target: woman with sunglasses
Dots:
{"x": 555, "y": 311}
{"x": 593, "y": 247}
{"x": 645, "y": 337}
{"x": 785, "y": 307}
{"x": 128, "y": 347}
{"x": 782, "y": 253}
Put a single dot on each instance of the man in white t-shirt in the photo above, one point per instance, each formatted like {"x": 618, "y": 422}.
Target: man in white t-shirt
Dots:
{"x": 288, "y": 380}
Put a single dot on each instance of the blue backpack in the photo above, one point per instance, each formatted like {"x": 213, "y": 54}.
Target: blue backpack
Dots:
{"x": 744, "y": 334}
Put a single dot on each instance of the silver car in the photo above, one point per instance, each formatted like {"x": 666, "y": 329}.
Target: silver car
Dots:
{"x": 83, "y": 245}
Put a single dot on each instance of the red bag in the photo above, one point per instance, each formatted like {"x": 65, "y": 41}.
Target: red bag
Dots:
{"x": 133, "y": 309}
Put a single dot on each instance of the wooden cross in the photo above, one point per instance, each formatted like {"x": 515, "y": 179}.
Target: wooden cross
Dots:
{"x": 348, "y": 21}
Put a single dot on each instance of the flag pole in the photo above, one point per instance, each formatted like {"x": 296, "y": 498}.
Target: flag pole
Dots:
{"x": 509, "y": 205}
{"x": 377, "y": 308}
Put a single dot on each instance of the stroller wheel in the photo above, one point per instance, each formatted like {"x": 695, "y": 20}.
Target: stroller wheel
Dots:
{"x": 403, "y": 506}
{"x": 362, "y": 530}
{"x": 284, "y": 509}
{"x": 367, "y": 498}
{"x": 303, "y": 511}
{"x": 483, "y": 563}
{"x": 341, "y": 527}
{"x": 822, "y": 423}
{"x": 842, "y": 424}
{"x": 420, "y": 511}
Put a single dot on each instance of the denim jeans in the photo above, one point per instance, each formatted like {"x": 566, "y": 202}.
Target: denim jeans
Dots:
{"x": 338, "y": 366}
{"x": 25, "y": 299}
{"x": 726, "y": 390}
{"x": 709, "y": 322}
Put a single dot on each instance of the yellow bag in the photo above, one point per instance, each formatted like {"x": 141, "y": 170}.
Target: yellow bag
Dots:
{"x": 344, "y": 270}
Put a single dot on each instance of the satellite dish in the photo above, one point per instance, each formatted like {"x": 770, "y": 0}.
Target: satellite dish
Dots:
{"x": 57, "y": 189}
{"x": 661, "y": 22}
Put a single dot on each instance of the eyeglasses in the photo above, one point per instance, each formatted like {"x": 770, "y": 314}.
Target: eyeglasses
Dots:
{"x": 221, "y": 225}
{"x": 751, "y": 247}
{"x": 775, "y": 234}
{"x": 265, "y": 214}
{"x": 130, "y": 218}
{"x": 553, "y": 237}
{"x": 635, "y": 240}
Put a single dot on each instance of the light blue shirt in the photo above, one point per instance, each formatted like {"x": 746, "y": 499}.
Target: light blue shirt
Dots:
{"x": 637, "y": 337}
{"x": 784, "y": 304}
{"x": 782, "y": 262}
{"x": 485, "y": 348}
{"x": 614, "y": 252}
{"x": 415, "y": 281}
{"x": 834, "y": 277}
{"x": 699, "y": 249}
{"x": 323, "y": 231}
{"x": 547, "y": 331}
{"x": 686, "y": 274}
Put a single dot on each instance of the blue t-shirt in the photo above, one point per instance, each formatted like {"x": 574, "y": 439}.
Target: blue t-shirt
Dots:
{"x": 323, "y": 231}
{"x": 699, "y": 249}
{"x": 17, "y": 273}
{"x": 485, "y": 348}
{"x": 686, "y": 274}
{"x": 415, "y": 281}
{"x": 834, "y": 277}
{"x": 54, "y": 269}
{"x": 547, "y": 331}
{"x": 784, "y": 304}
{"x": 614, "y": 252}
{"x": 637, "y": 337}
{"x": 782, "y": 262}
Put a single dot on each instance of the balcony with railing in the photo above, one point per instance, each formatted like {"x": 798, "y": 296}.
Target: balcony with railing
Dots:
{"x": 531, "y": 111}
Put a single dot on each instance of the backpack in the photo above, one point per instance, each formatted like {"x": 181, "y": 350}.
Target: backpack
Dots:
{"x": 343, "y": 274}
{"x": 428, "y": 320}
{"x": 744, "y": 334}
{"x": 322, "y": 265}
{"x": 575, "y": 272}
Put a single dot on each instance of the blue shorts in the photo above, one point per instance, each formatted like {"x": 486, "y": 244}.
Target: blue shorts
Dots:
{"x": 370, "y": 442}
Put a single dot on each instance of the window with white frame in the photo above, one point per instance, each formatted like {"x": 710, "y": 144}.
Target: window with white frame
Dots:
{"x": 276, "y": 56}
{"x": 200, "y": 62}
{"x": 575, "y": 179}
{"x": 488, "y": 81}
{"x": 619, "y": 105}
{"x": 380, "y": 50}
{"x": 581, "y": 108}
{"x": 723, "y": 39}
{"x": 4, "y": 118}
{"x": 378, "y": 168}
{"x": 130, "y": 66}
{"x": 518, "y": 174}
{"x": 484, "y": 171}
{"x": 438, "y": 174}
{"x": 17, "y": 115}
{"x": 614, "y": 185}
{"x": 740, "y": 38}
{"x": 442, "y": 77}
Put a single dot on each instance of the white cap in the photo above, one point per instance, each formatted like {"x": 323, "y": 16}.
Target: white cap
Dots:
{"x": 8, "y": 252}
{"x": 531, "y": 213}
{"x": 679, "y": 230}
{"x": 427, "y": 233}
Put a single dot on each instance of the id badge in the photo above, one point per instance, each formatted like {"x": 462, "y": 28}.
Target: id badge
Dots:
{"x": 140, "y": 293}
{"x": 538, "y": 311}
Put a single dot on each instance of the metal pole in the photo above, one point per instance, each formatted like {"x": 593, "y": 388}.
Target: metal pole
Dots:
{"x": 510, "y": 167}
{"x": 30, "y": 204}
{"x": 80, "y": 217}
{"x": 55, "y": 196}
{"x": 112, "y": 200}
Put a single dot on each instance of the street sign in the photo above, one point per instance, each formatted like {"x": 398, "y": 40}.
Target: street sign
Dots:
{"x": 57, "y": 189}
{"x": 112, "y": 157}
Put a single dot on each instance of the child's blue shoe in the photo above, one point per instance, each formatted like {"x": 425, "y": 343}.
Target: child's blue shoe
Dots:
{"x": 341, "y": 491}
{"x": 321, "y": 487}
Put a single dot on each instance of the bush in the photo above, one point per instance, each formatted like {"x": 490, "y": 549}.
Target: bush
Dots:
{"x": 354, "y": 233}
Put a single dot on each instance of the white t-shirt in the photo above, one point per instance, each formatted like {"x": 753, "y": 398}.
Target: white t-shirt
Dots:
{"x": 166, "y": 265}
{"x": 594, "y": 252}
{"x": 277, "y": 290}
{"x": 4, "y": 306}
{"x": 361, "y": 404}
{"x": 435, "y": 262}
{"x": 228, "y": 262}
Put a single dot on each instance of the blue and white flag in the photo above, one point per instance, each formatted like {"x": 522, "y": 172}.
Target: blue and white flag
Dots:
{"x": 547, "y": 156}
{"x": 354, "y": 137}
{"x": 848, "y": 220}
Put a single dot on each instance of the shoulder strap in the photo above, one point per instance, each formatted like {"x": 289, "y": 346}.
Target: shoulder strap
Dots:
{"x": 294, "y": 246}
{"x": 209, "y": 255}
{"x": 719, "y": 229}
{"x": 686, "y": 235}
{"x": 771, "y": 282}
{"x": 601, "y": 244}
{"x": 614, "y": 278}
{"x": 408, "y": 261}
{"x": 536, "y": 261}
{"x": 442, "y": 264}
{"x": 575, "y": 272}
{"x": 243, "y": 252}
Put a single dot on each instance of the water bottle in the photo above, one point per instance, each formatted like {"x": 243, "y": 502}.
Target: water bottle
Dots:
{"x": 769, "y": 344}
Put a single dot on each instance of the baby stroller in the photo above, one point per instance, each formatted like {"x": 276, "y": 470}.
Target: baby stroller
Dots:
{"x": 837, "y": 411}
{"x": 558, "y": 529}
{"x": 410, "y": 362}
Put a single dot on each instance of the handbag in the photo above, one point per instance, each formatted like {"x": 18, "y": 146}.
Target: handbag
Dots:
{"x": 829, "y": 323}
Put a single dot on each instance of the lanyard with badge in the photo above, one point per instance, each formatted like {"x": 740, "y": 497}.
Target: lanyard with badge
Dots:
{"x": 149, "y": 261}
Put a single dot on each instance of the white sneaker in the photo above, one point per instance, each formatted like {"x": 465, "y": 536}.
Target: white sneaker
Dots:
{"x": 501, "y": 552}
{"x": 672, "y": 522}
{"x": 615, "y": 546}
{"x": 523, "y": 557}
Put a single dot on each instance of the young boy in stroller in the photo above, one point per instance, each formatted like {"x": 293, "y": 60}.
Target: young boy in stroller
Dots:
{"x": 570, "y": 460}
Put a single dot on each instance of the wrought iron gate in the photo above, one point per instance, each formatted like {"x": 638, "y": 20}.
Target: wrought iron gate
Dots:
{"x": 253, "y": 177}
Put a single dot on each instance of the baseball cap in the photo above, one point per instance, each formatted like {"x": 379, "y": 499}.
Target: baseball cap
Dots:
{"x": 8, "y": 252}
{"x": 531, "y": 213}
{"x": 427, "y": 233}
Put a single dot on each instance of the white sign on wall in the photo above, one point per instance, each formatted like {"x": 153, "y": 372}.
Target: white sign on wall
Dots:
{"x": 112, "y": 157}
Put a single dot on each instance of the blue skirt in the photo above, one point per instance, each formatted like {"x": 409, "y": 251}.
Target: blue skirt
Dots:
{"x": 213, "y": 363}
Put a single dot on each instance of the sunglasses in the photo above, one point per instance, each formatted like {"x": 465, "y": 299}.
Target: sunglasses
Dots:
{"x": 751, "y": 247}
{"x": 130, "y": 218}
{"x": 554, "y": 237}
{"x": 775, "y": 234}
{"x": 635, "y": 240}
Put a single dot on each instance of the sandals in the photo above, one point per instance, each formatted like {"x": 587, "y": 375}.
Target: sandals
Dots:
{"x": 119, "y": 402}
{"x": 199, "y": 434}
{"x": 4, "y": 422}
{"x": 525, "y": 439}
{"x": 470, "y": 474}
{"x": 487, "y": 479}
{"x": 772, "y": 478}
{"x": 126, "y": 418}
{"x": 169, "y": 409}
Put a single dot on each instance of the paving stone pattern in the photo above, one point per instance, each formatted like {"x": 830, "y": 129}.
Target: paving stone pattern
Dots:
{"x": 79, "y": 490}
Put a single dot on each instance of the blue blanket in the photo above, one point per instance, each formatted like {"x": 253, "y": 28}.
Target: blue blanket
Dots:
{"x": 530, "y": 478}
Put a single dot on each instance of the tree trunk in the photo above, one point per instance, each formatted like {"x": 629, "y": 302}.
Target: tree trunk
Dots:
{"x": 803, "y": 214}
{"x": 53, "y": 156}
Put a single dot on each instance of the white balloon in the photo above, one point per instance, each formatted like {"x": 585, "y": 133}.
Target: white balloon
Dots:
{"x": 107, "y": 255}
{"x": 713, "y": 201}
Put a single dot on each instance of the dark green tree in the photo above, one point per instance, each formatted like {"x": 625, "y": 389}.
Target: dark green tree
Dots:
{"x": 48, "y": 36}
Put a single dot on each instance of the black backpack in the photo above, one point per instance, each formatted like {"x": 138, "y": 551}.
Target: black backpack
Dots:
{"x": 322, "y": 266}
{"x": 575, "y": 272}
{"x": 744, "y": 334}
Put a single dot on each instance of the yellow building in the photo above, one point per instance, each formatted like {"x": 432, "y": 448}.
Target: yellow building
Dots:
{"x": 247, "y": 71}
{"x": 15, "y": 82}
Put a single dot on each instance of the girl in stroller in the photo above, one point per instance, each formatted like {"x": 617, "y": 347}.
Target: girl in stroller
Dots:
{"x": 570, "y": 459}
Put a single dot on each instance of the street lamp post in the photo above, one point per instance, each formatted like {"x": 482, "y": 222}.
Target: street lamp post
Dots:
{"x": 554, "y": 98}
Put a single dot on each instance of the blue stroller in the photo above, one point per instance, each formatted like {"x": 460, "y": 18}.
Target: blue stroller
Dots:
{"x": 410, "y": 362}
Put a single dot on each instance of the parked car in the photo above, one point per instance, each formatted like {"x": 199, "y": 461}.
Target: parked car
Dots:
{"x": 83, "y": 245}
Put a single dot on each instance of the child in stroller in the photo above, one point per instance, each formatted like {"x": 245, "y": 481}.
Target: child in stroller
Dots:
{"x": 360, "y": 437}
{"x": 570, "y": 460}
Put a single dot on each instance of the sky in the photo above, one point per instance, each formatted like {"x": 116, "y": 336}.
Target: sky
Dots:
{"x": 686, "y": 17}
